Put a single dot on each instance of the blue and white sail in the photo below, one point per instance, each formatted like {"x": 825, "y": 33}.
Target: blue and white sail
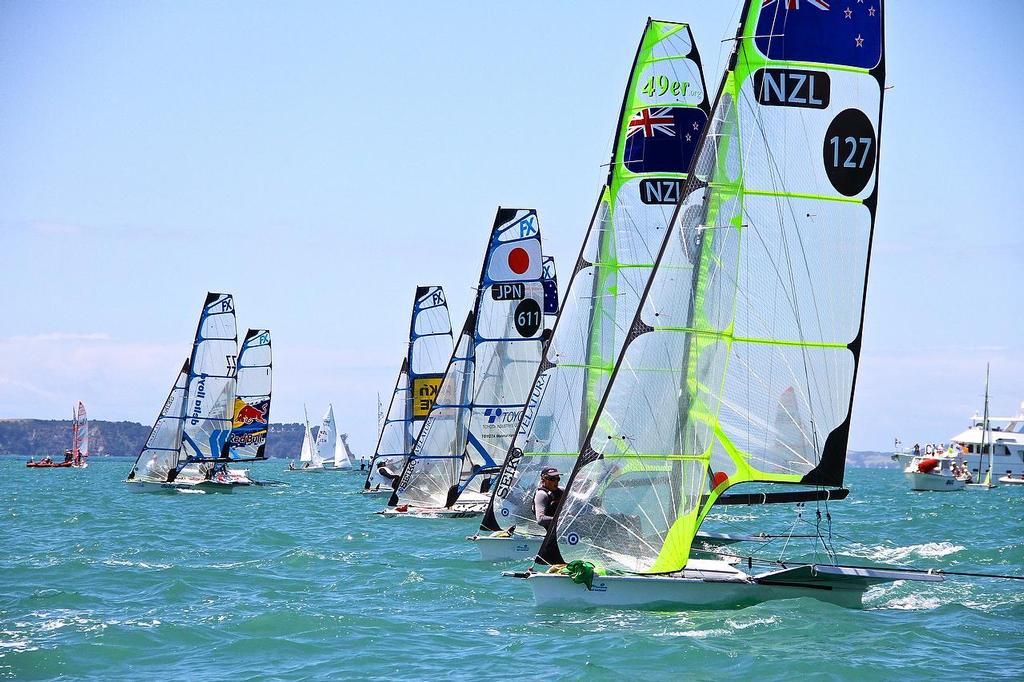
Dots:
{"x": 251, "y": 421}
{"x": 159, "y": 456}
{"x": 210, "y": 388}
{"x": 489, "y": 377}
{"x": 430, "y": 347}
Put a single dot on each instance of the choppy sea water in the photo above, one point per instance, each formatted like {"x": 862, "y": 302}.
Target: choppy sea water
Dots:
{"x": 303, "y": 581}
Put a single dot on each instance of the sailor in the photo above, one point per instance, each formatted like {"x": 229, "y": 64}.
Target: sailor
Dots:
{"x": 917, "y": 449}
{"x": 388, "y": 474}
{"x": 548, "y": 494}
{"x": 362, "y": 463}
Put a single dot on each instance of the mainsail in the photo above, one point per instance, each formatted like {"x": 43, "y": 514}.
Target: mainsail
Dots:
{"x": 326, "y": 435}
{"x": 430, "y": 346}
{"x": 210, "y": 390}
{"x": 342, "y": 455}
{"x": 159, "y": 456}
{"x": 80, "y": 437}
{"x": 488, "y": 380}
{"x": 664, "y": 112}
{"x": 248, "y": 438}
{"x": 741, "y": 360}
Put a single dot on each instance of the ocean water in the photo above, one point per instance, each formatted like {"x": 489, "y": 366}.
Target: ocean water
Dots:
{"x": 302, "y": 581}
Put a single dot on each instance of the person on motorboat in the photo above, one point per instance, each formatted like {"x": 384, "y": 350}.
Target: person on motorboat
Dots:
{"x": 545, "y": 501}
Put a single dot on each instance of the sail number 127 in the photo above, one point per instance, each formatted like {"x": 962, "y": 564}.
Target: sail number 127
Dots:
{"x": 854, "y": 144}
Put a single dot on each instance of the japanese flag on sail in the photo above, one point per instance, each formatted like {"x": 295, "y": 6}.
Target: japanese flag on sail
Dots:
{"x": 516, "y": 261}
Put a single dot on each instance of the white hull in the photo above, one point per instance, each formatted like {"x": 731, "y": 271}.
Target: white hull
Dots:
{"x": 1011, "y": 481}
{"x": 378, "y": 491}
{"x": 525, "y": 547}
{"x": 458, "y": 511}
{"x": 183, "y": 487}
{"x": 522, "y": 548}
{"x": 715, "y": 584}
{"x": 933, "y": 482}
{"x": 306, "y": 470}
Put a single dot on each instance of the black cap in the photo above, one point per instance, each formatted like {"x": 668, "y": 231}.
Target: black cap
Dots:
{"x": 550, "y": 472}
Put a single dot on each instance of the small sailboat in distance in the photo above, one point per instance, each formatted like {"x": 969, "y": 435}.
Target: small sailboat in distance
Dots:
{"x": 76, "y": 457}
{"x": 316, "y": 451}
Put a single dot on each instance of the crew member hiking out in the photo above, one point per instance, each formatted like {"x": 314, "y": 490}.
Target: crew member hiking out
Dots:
{"x": 547, "y": 497}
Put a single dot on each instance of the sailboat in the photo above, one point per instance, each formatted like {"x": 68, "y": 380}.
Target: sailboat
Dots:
{"x": 75, "y": 457}
{"x": 420, "y": 375}
{"x": 316, "y": 452}
{"x": 986, "y": 483}
{"x": 487, "y": 384}
{"x": 202, "y": 427}
{"x": 343, "y": 458}
{"x": 747, "y": 334}
{"x": 664, "y": 109}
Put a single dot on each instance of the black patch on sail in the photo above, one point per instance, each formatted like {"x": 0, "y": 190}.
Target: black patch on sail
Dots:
{"x": 848, "y": 151}
{"x": 832, "y": 467}
{"x": 792, "y": 88}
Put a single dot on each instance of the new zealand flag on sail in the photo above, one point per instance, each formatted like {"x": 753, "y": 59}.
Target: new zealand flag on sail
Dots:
{"x": 828, "y": 32}
{"x": 663, "y": 139}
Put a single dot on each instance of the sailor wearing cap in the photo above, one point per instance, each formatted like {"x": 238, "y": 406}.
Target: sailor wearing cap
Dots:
{"x": 547, "y": 497}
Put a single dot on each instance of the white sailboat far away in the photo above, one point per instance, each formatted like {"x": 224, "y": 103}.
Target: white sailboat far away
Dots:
{"x": 317, "y": 452}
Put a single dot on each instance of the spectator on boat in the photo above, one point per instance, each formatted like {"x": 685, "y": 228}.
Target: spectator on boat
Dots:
{"x": 362, "y": 464}
{"x": 917, "y": 449}
{"x": 929, "y": 449}
{"x": 547, "y": 496}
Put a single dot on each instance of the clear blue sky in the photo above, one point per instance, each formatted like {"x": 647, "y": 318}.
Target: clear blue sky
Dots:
{"x": 319, "y": 160}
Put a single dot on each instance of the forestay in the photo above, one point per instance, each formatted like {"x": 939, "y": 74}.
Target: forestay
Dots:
{"x": 741, "y": 361}
{"x": 159, "y": 456}
{"x": 488, "y": 380}
{"x": 664, "y": 112}
{"x": 210, "y": 391}
{"x": 430, "y": 347}
{"x": 248, "y": 439}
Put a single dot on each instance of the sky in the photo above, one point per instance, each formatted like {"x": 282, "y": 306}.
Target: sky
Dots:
{"x": 320, "y": 159}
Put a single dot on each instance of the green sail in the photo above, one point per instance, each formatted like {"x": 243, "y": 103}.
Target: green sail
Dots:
{"x": 740, "y": 363}
{"x": 664, "y": 110}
